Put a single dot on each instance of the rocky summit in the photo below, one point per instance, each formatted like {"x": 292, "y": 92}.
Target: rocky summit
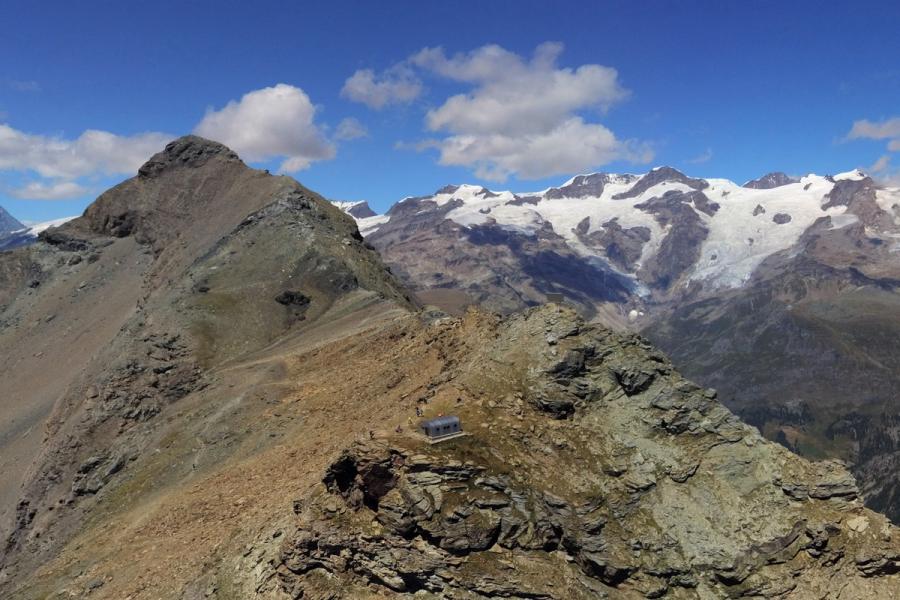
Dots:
{"x": 214, "y": 387}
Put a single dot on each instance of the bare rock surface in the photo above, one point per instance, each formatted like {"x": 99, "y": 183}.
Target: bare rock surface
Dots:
{"x": 605, "y": 474}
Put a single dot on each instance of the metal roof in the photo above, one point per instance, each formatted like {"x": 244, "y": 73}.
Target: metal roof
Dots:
{"x": 441, "y": 421}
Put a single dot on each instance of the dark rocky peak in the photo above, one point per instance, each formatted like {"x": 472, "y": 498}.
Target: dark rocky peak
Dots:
{"x": 660, "y": 175}
{"x": 447, "y": 189}
{"x": 520, "y": 200}
{"x": 411, "y": 205}
{"x": 194, "y": 186}
{"x": 845, "y": 190}
{"x": 580, "y": 187}
{"x": 8, "y": 223}
{"x": 188, "y": 151}
{"x": 486, "y": 193}
{"x": 771, "y": 180}
{"x": 859, "y": 196}
{"x": 680, "y": 249}
{"x": 361, "y": 210}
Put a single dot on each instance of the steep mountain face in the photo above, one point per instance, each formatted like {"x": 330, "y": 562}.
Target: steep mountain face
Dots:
{"x": 782, "y": 293}
{"x": 114, "y": 317}
{"x": 810, "y": 344}
{"x": 500, "y": 267}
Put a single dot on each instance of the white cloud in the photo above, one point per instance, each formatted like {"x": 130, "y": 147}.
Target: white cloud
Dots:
{"x": 570, "y": 147}
{"x": 887, "y": 129}
{"x": 884, "y": 172}
{"x": 273, "y": 122}
{"x": 513, "y": 96}
{"x": 397, "y": 85}
{"x": 705, "y": 157}
{"x": 350, "y": 129}
{"x": 880, "y": 165}
{"x": 49, "y": 191}
{"x": 525, "y": 117}
{"x": 93, "y": 152}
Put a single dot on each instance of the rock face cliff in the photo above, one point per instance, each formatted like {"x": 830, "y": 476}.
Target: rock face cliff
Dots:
{"x": 592, "y": 469}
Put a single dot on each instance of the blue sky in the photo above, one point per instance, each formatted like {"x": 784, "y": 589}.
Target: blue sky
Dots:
{"x": 383, "y": 100}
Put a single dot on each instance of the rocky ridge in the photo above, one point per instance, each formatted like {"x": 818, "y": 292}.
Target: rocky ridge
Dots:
{"x": 600, "y": 473}
{"x": 196, "y": 261}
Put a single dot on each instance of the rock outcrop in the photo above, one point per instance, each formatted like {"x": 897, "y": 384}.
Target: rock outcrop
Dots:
{"x": 602, "y": 473}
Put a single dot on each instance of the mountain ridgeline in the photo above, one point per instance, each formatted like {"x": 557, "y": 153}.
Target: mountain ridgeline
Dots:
{"x": 782, "y": 293}
{"x": 213, "y": 380}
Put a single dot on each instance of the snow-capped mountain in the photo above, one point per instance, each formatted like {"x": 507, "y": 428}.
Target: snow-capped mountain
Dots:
{"x": 657, "y": 233}
{"x": 26, "y": 234}
{"x": 358, "y": 210}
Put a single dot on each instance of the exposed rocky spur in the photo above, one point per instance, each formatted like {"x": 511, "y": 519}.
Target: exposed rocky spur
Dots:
{"x": 597, "y": 472}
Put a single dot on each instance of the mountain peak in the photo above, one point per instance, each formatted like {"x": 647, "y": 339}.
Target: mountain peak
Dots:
{"x": 659, "y": 175}
{"x": 8, "y": 223}
{"x": 447, "y": 189}
{"x": 854, "y": 175}
{"x": 770, "y": 180}
{"x": 359, "y": 209}
{"x": 188, "y": 150}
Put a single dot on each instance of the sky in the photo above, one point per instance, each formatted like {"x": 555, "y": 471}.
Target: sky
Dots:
{"x": 381, "y": 100}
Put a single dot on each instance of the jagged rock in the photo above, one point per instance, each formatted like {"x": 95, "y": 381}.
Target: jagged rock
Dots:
{"x": 781, "y": 218}
{"x": 688, "y": 499}
{"x": 189, "y": 151}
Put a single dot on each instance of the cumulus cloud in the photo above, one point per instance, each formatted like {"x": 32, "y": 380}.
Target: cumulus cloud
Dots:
{"x": 350, "y": 129}
{"x": 513, "y": 96}
{"x": 397, "y": 85}
{"x": 571, "y": 146}
{"x": 888, "y": 129}
{"x": 528, "y": 117}
{"x": 272, "y": 122}
{"x": 865, "y": 129}
{"x": 61, "y": 190}
{"x": 93, "y": 152}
